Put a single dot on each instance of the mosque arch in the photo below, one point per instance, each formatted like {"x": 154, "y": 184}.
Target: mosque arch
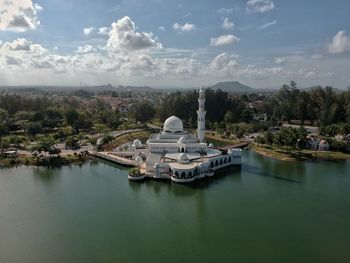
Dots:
{"x": 183, "y": 175}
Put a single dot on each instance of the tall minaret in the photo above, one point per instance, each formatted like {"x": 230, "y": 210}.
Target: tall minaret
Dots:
{"x": 201, "y": 116}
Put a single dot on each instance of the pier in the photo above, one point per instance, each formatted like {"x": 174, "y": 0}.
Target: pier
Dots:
{"x": 114, "y": 158}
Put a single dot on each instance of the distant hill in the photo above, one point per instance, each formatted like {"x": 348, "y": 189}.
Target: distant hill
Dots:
{"x": 135, "y": 88}
{"x": 232, "y": 86}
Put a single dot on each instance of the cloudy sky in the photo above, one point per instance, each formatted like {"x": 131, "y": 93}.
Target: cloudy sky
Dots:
{"x": 262, "y": 43}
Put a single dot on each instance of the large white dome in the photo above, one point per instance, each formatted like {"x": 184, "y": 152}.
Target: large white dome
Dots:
{"x": 173, "y": 124}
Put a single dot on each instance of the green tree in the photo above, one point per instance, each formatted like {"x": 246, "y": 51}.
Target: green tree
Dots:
{"x": 71, "y": 142}
{"x": 33, "y": 128}
{"x": 71, "y": 116}
{"x": 101, "y": 128}
{"x": 246, "y": 115}
{"x": 302, "y": 135}
{"x": 229, "y": 117}
{"x": 278, "y": 139}
{"x": 269, "y": 137}
{"x": 45, "y": 143}
{"x": 143, "y": 111}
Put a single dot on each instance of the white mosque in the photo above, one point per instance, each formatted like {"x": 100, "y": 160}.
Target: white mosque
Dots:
{"x": 182, "y": 157}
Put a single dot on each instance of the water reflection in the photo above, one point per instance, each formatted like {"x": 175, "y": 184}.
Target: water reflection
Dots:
{"x": 257, "y": 171}
{"x": 281, "y": 170}
{"x": 45, "y": 174}
{"x": 181, "y": 190}
{"x": 232, "y": 173}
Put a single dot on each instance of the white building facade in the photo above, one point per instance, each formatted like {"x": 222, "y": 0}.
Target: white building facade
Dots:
{"x": 182, "y": 157}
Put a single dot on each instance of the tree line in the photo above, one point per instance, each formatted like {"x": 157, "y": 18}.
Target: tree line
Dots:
{"x": 318, "y": 106}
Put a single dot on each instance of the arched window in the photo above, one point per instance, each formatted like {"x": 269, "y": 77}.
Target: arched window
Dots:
{"x": 216, "y": 163}
{"x": 182, "y": 150}
{"x": 190, "y": 174}
{"x": 211, "y": 164}
{"x": 229, "y": 159}
{"x": 225, "y": 160}
{"x": 176, "y": 174}
{"x": 183, "y": 175}
{"x": 220, "y": 161}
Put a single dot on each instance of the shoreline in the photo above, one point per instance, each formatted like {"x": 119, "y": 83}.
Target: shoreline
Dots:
{"x": 48, "y": 161}
{"x": 292, "y": 155}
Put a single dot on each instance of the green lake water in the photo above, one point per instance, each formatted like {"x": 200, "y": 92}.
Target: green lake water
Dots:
{"x": 267, "y": 211}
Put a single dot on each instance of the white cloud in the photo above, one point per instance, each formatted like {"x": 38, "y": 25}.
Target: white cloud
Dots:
{"x": 225, "y": 10}
{"x": 123, "y": 35}
{"x": 184, "y": 28}
{"x": 96, "y": 65}
{"x": 260, "y": 6}
{"x": 85, "y": 49}
{"x": 103, "y": 30}
{"x": 227, "y": 24}
{"x": 89, "y": 31}
{"x": 18, "y": 44}
{"x": 317, "y": 56}
{"x": 223, "y": 64}
{"x": 340, "y": 43}
{"x": 93, "y": 31}
{"x": 274, "y": 22}
{"x": 11, "y": 61}
{"x": 223, "y": 40}
{"x": 38, "y": 7}
{"x": 280, "y": 60}
{"x": 18, "y": 16}
{"x": 161, "y": 28}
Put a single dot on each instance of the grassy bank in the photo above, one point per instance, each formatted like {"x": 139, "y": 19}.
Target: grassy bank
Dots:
{"x": 219, "y": 141}
{"x": 290, "y": 154}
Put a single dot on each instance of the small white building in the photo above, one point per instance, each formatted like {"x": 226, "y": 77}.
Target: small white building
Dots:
{"x": 182, "y": 157}
{"x": 323, "y": 145}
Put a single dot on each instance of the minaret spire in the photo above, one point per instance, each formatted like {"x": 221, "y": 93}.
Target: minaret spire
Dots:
{"x": 201, "y": 116}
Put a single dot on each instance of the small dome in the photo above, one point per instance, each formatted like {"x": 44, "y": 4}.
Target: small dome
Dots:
{"x": 211, "y": 145}
{"x": 137, "y": 143}
{"x": 183, "y": 158}
{"x": 182, "y": 140}
{"x": 173, "y": 124}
